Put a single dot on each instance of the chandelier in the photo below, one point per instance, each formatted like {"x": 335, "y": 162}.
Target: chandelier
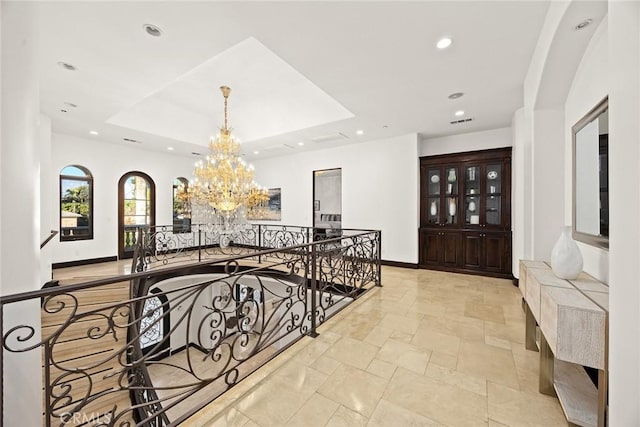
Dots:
{"x": 222, "y": 191}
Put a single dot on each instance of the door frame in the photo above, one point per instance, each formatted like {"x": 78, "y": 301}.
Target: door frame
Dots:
{"x": 122, "y": 254}
{"x": 313, "y": 198}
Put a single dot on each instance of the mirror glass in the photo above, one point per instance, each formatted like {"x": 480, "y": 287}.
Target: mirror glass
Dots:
{"x": 591, "y": 177}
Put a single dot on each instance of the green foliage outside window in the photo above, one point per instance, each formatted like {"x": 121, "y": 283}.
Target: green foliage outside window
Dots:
{"x": 76, "y": 200}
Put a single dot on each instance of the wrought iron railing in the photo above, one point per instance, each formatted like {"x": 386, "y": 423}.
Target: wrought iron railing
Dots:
{"x": 161, "y": 245}
{"x": 153, "y": 347}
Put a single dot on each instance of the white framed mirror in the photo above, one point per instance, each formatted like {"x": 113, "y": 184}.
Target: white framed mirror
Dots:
{"x": 591, "y": 177}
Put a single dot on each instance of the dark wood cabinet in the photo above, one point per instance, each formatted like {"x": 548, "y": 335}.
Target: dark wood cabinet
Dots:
{"x": 465, "y": 212}
{"x": 440, "y": 248}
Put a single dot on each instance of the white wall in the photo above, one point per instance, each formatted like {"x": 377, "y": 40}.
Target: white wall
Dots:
{"x": 20, "y": 214}
{"x": 548, "y": 174}
{"x": 546, "y": 168}
{"x": 610, "y": 64}
{"x": 473, "y": 141}
{"x": 590, "y": 85}
{"x": 518, "y": 224}
{"x": 624, "y": 197}
{"x": 107, "y": 163}
{"x": 48, "y": 191}
{"x": 379, "y": 189}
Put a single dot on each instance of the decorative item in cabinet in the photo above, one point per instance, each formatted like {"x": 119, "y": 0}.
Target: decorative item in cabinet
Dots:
{"x": 433, "y": 185}
{"x": 452, "y": 186}
{"x": 452, "y": 207}
{"x": 493, "y": 188}
{"x": 472, "y": 182}
{"x": 472, "y": 173}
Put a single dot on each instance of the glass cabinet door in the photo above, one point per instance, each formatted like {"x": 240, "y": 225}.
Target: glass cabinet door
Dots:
{"x": 472, "y": 195}
{"x": 451, "y": 180}
{"x": 433, "y": 195}
{"x": 493, "y": 190}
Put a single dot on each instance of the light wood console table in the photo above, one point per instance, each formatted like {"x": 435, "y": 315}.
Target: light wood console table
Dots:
{"x": 567, "y": 321}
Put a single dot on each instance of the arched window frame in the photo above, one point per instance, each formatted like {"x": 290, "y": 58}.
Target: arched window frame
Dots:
{"x": 68, "y": 231}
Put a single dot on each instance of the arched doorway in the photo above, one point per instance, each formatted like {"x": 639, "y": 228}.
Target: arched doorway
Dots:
{"x": 136, "y": 209}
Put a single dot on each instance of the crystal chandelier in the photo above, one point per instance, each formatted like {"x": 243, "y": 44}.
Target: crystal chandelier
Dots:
{"x": 223, "y": 191}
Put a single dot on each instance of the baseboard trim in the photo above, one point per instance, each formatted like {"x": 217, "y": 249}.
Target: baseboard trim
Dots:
{"x": 83, "y": 262}
{"x": 399, "y": 264}
{"x": 515, "y": 282}
{"x": 507, "y": 276}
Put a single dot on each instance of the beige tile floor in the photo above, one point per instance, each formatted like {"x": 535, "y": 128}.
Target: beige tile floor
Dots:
{"x": 427, "y": 349}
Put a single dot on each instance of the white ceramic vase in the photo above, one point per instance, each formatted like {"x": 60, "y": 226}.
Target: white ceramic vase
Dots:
{"x": 452, "y": 175}
{"x": 472, "y": 206}
{"x": 434, "y": 209}
{"x": 452, "y": 206}
{"x": 566, "y": 259}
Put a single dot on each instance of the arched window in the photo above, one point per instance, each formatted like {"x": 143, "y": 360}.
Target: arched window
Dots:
{"x": 181, "y": 211}
{"x": 155, "y": 323}
{"x": 76, "y": 203}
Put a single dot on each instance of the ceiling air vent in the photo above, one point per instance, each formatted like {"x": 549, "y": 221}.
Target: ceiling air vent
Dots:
{"x": 334, "y": 137}
{"x": 277, "y": 148}
{"x": 132, "y": 140}
{"x": 455, "y": 122}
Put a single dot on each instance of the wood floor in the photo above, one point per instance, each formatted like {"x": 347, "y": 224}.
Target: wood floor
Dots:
{"x": 80, "y": 362}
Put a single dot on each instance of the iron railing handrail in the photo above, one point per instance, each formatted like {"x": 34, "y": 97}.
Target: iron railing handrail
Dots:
{"x": 265, "y": 225}
{"x": 48, "y": 239}
{"x": 321, "y": 277}
{"x": 39, "y": 293}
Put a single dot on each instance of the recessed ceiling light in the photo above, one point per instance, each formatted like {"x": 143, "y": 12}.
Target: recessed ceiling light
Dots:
{"x": 459, "y": 113}
{"x": 93, "y": 132}
{"x": 170, "y": 148}
{"x": 385, "y": 126}
{"x": 301, "y": 143}
{"x": 444, "y": 43}
{"x": 583, "y": 24}
{"x": 66, "y": 66}
{"x": 256, "y": 152}
{"x": 152, "y": 30}
{"x": 456, "y": 95}
{"x": 359, "y": 132}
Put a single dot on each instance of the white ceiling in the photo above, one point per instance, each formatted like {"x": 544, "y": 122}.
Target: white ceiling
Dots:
{"x": 299, "y": 71}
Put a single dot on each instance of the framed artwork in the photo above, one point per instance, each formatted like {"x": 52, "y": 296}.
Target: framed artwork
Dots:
{"x": 273, "y": 212}
{"x": 316, "y": 205}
